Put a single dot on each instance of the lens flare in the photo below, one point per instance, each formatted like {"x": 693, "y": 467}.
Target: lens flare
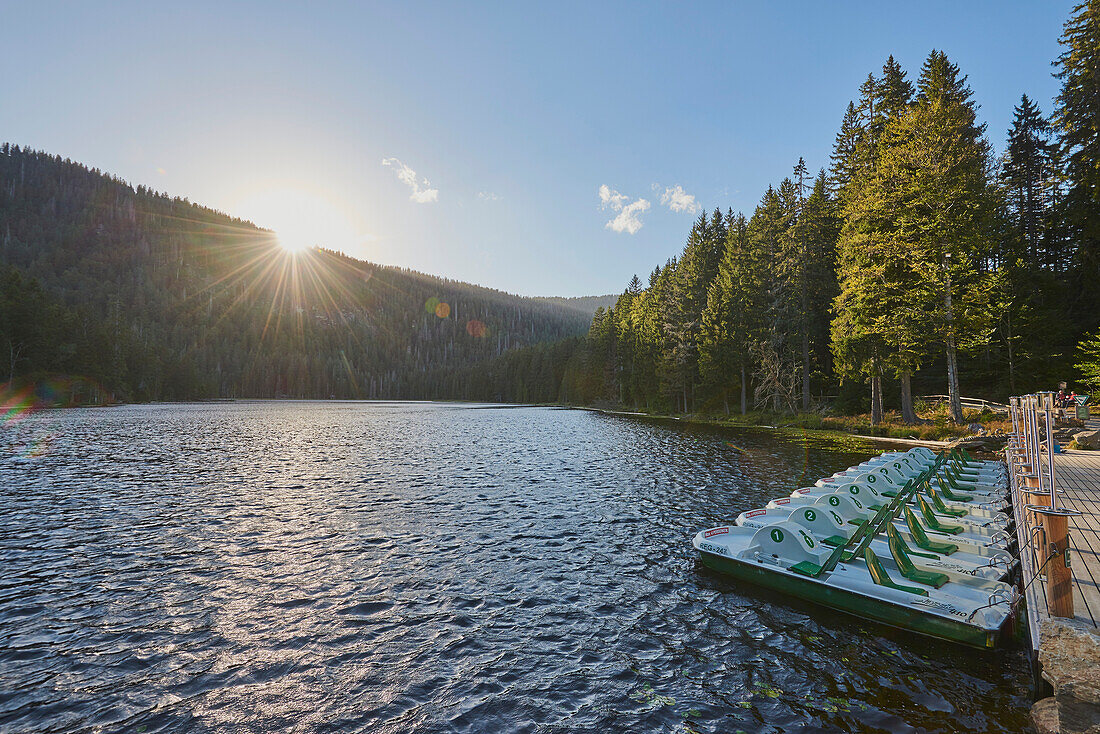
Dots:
{"x": 476, "y": 329}
{"x": 442, "y": 310}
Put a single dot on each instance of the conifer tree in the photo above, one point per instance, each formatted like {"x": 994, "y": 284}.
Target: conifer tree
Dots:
{"x": 1029, "y": 175}
{"x": 1077, "y": 118}
{"x": 845, "y": 162}
{"x": 733, "y": 318}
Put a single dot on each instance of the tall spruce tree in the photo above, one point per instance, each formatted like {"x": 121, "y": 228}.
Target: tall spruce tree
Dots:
{"x": 1077, "y": 118}
{"x": 734, "y": 315}
{"x": 945, "y": 209}
{"x": 860, "y": 351}
{"x": 1029, "y": 175}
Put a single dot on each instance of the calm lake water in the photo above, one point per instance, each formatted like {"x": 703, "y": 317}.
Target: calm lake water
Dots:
{"x": 386, "y": 567}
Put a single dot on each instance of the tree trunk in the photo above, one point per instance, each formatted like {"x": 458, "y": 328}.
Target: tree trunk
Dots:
{"x": 955, "y": 402}
{"x": 907, "y": 413}
{"x": 1011, "y": 360}
{"x": 744, "y": 391}
{"x": 952, "y": 363}
{"x": 805, "y": 371}
{"x": 876, "y": 394}
{"x": 726, "y": 401}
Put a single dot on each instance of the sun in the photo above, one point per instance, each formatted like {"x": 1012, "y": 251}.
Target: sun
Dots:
{"x": 302, "y": 217}
{"x": 291, "y": 243}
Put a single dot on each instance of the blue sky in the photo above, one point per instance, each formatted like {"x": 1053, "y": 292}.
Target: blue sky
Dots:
{"x": 472, "y": 140}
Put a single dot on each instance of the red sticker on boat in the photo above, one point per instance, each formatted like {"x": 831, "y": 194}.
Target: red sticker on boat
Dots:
{"x": 783, "y": 501}
{"x": 715, "y": 531}
{"x": 756, "y": 513}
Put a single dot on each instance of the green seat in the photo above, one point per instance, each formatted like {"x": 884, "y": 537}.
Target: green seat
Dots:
{"x": 905, "y": 563}
{"x": 946, "y": 490}
{"x": 858, "y": 522}
{"x": 835, "y": 540}
{"x": 941, "y": 507}
{"x": 806, "y": 568}
{"x": 880, "y": 577}
{"x": 921, "y": 538}
{"x": 933, "y": 522}
{"x": 909, "y": 551}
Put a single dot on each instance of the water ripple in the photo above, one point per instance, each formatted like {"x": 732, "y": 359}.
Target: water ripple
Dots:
{"x": 321, "y": 567}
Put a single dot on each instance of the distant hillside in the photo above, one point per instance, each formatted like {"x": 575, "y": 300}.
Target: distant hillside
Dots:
{"x": 584, "y": 304}
{"x": 159, "y": 298}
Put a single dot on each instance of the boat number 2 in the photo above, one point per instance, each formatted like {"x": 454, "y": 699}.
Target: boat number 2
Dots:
{"x": 811, "y": 515}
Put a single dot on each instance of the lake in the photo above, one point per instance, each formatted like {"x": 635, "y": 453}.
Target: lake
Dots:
{"x": 418, "y": 567}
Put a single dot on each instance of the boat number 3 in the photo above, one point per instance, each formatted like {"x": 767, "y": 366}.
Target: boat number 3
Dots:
{"x": 834, "y": 501}
{"x": 811, "y": 515}
{"x": 777, "y": 535}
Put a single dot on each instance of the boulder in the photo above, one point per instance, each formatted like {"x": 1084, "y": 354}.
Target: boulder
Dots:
{"x": 1044, "y": 716}
{"x": 1069, "y": 653}
{"x": 1089, "y": 440}
{"x": 989, "y": 443}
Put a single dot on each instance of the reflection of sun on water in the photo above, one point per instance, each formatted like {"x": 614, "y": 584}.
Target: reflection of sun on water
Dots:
{"x": 302, "y": 218}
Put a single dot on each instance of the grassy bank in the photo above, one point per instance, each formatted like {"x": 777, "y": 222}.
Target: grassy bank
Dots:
{"x": 934, "y": 424}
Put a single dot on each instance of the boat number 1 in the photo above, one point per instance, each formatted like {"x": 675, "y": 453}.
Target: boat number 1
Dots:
{"x": 777, "y": 535}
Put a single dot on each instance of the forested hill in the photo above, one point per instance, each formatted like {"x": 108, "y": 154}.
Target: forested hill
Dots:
{"x": 153, "y": 297}
{"x": 585, "y": 304}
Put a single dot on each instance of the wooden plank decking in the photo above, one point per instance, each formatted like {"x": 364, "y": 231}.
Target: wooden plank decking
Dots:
{"x": 1077, "y": 476}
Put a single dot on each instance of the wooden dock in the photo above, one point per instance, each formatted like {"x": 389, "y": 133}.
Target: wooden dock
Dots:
{"x": 1077, "y": 476}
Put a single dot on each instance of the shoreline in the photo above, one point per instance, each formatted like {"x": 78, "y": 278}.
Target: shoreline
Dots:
{"x": 734, "y": 423}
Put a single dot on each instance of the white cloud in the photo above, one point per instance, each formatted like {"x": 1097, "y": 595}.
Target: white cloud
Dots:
{"x": 678, "y": 200}
{"x": 421, "y": 193}
{"x": 612, "y": 198}
{"x": 487, "y": 196}
{"x": 628, "y": 218}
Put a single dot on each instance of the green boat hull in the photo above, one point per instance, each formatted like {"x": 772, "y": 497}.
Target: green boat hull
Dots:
{"x": 858, "y": 605}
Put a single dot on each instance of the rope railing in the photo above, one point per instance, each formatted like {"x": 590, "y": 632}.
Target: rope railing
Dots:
{"x": 1042, "y": 526}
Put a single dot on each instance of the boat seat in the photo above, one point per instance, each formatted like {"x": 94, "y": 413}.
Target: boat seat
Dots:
{"x": 941, "y": 507}
{"x": 905, "y": 563}
{"x": 909, "y": 551}
{"x": 950, "y": 495}
{"x": 880, "y": 577}
{"x": 933, "y": 522}
{"x": 835, "y": 541}
{"x": 807, "y": 568}
{"x": 921, "y": 538}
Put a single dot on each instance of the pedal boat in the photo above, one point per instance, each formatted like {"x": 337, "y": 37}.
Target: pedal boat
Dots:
{"x": 852, "y": 578}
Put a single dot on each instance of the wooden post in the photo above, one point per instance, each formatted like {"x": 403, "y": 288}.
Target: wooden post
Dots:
{"x": 1036, "y": 498}
{"x": 1057, "y": 560}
